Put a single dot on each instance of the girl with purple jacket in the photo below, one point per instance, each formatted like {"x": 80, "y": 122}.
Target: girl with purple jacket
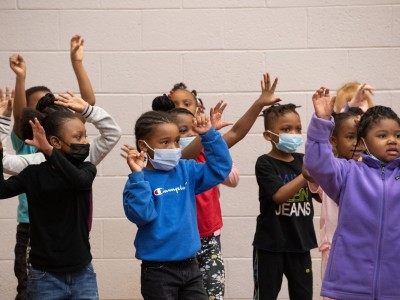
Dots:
{"x": 364, "y": 261}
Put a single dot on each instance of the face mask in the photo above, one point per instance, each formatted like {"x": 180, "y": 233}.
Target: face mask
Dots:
{"x": 164, "y": 159}
{"x": 370, "y": 154}
{"x": 78, "y": 154}
{"x": 183, "y": 142}
{"x": 288, "y": 142}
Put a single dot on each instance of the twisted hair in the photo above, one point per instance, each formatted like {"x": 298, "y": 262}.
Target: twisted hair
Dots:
{"x": 182, "y": 86}
{"x": 162, "y": 103}
{"x": 52, "y": 123}
{"x": 46, "y": 104}
{"x": 147, "y": 122}
{"x": 373, "y": 116}
{"x": 272, "y": 113}
{"x": 341, "y": 117}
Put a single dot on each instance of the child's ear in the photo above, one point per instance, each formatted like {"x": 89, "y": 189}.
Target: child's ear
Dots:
{"x": 267, "y": 136}
{"x": 142, "y": 146}
{"x": 333, "y": 141}
{"x": 55, "y": 142}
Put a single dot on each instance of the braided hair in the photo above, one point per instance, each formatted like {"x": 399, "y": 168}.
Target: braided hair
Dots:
{"x": 147, "y": 122}
{"x": 341, "y": 117}
{"x": 272, "y": 113}
{"x": 162, "y": 103}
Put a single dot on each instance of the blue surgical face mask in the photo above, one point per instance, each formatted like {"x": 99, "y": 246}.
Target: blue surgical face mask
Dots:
{"x": 288, "y": 142}
{"x": 183, "y": 142}
{"x": 370, "y": 154}
{"x": 164, "y": 159}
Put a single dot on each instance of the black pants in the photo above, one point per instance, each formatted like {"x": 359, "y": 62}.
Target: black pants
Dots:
{"x": 172, "y": 280}
{"x": 269, "y": 268}
{"x": 21, "y": 259}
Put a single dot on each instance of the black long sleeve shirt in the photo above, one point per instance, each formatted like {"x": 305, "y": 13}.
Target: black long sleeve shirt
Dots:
{"x": 58, "y": 194}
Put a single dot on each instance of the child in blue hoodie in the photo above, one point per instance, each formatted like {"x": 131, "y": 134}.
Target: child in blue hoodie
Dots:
{"x": 363, "y": 263}
{"x": 159, "y": 197}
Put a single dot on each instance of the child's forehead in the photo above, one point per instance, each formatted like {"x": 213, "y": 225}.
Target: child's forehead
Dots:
{"x": 348, "y": 124}
{"x": 180, "y": 95}
{"x": 288, "y": 117}
{"x": 184, "y": 119}
{"x": 385, "y": 124}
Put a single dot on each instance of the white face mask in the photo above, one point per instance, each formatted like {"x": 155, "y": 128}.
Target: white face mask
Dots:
{"x": 183, "y": 142}
{"x": 164, "y": 159}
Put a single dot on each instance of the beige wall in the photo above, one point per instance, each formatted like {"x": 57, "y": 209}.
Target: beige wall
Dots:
{"x": 136, "y": 50}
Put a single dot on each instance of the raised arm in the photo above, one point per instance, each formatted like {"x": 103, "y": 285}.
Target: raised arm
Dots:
{"x": 244, "y": 124}
{"x": 110, "y": 132}
{"x": 17, "y": 64}
{"x": 77, "y": 54}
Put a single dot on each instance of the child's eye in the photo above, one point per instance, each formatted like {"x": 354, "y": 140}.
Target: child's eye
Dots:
{"x": 382, "y": 136}
{"x": 398, "y": 136}
{"x": 286, "y": 130}
{"x": 182, "y": 131}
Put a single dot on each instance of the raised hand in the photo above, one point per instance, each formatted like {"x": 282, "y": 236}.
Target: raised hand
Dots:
{"x": 71, "y": 101}
{"x": 134, "y": 158}
{"x": 77, "y": 50}
{"x": 201, "y": 124}
{"x": 359, "y": 99}
{"x": 39, "y": 138}
{"x": 267, "y": 96}
{"x": 216, "y": 116}
{"x": 323, "y": 103}
{"x": 6, "y": 102}
{"x": 17, "y": 64}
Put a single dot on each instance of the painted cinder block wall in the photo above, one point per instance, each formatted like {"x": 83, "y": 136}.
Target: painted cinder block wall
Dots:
{"x": 138, "y": 49}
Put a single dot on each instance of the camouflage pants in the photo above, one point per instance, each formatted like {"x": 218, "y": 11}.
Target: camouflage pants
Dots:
{"x": 212, "y": 268}
{"x": 21, "y": 262}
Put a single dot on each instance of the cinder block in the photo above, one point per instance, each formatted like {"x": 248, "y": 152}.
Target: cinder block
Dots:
{"x": 7, "y": 235}
{"x": 304, "y": 70}
{"x": 107, "y": 197}
{"x": 167, "y": 29}
{"x": 222, "y": 3}
{"x": 396, "y": 26}
{"x": 237, "y": 237}
{"x": 102, "y": 30}
{"x": 115, "y": 164}
{"x": 245, "y": 153}
{"x": 58, "y": 4}
{"x": 8, "y": 282}
{"x": 224, "y": 71}
{"x": 125, "y": 109}
{"x": 119, "y": 235}
{"x": 9, "y": 208}
{"x": 265, "y": 28}
{"x": 311, "y": 3}
{"x": 140, "y": 72}
{"x": 242, "y": 200}
{"x": 118, "y": 279}
{"x": 343, "y": 27}
{"x": 140, "y": 4}
{"x": 239, "y": 273}
{"x": 15, "y": 23}
{"x": 8, "y": 4}
{"x": 96, "y": 239}
{"x": 379, "y": 67}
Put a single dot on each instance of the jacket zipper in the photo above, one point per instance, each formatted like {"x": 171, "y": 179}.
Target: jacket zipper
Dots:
{"x": 378, "y": 260}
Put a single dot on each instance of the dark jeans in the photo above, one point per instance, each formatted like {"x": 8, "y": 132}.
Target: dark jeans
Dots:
{"x": 269, "y": 268}
{"x": 21, "y": 260}
{"x": 176, "y": 280}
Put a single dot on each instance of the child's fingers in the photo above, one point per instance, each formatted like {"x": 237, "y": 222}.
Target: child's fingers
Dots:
{"x": 7, "y": 93}
{"x": 71, "y": 94}
{"x": 268, "y": 82}
{"x": 12, "y": 94}
{"x": 326, "y": 92}
{"x": 1, "y": 94}
{"x": 124, "y": 155}
{"x": 64, "y": 96}
{"x": 274, "y": 85}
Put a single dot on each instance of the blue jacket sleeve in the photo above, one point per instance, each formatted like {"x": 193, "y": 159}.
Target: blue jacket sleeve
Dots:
{"x": 138, "y": 200}
{"x": 329, "y": 172}
{"x": 218, "y": 163}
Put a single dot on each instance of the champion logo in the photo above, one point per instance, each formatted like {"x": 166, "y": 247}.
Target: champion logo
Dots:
{"x": 161, "y": 191}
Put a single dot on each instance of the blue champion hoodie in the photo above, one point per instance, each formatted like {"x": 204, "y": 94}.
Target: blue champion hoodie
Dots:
{"x": 364, "y": 262}
{"x": 163, "y": 206}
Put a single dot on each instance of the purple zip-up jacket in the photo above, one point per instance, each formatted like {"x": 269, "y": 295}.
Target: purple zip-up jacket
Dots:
{"x": 364, "y": 262}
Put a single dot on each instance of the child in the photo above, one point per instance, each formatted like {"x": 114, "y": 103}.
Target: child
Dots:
{"x": 363, "y": 262}
{"x": 354, "y": 94}
{"x": 209, "y": 215}
{"x": 285, "y": 232}
{"x": 160, "y": 198}
{"x": 29, "y": 98}
{"x": 60, "y": 250}
{"x": 344, "y": 143}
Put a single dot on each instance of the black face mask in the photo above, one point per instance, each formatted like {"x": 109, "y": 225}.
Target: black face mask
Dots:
{"x": 78, "y": 154}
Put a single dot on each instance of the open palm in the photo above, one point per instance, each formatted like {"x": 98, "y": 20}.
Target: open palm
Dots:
{"x": 323, "y": 103}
